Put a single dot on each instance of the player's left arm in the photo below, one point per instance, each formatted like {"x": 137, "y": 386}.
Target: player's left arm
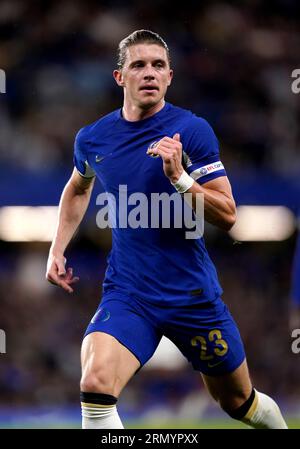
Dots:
{"x": 219, "y": 204}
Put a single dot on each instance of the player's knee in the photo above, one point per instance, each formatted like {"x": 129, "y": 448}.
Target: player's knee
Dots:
{"x": 230, "y": 400}
{"x": 98, "y": 382}
{"x": 238, "y": 405}
{"x": 232, "y": 403}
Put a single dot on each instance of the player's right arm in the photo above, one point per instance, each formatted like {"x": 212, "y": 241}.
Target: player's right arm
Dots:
{"x": 72, "y": 207}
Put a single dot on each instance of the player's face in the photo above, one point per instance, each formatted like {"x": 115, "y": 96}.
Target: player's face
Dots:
{"x": 145, "y": 76}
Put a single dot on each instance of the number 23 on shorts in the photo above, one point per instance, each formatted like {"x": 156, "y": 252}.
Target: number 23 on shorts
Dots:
{"x": 220, "y": 347}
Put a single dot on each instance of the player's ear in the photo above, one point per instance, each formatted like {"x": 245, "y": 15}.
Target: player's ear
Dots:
{"x": 117, "y": 74}
{"x": 170, "y": 77}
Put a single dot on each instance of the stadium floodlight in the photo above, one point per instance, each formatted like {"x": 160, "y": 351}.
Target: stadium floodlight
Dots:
{"x": 27, "y": 223}
{"x": 263, "y": 223}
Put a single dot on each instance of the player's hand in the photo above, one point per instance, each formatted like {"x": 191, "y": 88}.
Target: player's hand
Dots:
{"x": 58, "y": 275}
{"x": 170, "y": 150}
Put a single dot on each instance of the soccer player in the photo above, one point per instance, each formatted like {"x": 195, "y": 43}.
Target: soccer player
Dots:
{"x": 157, "y": 281}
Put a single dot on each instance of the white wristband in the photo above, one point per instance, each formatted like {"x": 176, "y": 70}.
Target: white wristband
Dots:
{"x": 184, "y": 183}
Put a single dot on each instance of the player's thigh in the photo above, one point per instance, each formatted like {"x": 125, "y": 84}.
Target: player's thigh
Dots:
{"x": 118, "y": 341}
{"x": 208, "y": 337}
{"x": 107, "y": 365}
{"x": 231, "y": 389}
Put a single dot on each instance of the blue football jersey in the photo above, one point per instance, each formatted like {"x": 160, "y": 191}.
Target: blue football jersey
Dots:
{"x": 155, "y": 263}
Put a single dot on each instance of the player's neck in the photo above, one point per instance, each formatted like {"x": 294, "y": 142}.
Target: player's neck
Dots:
{"x": 133, "y": 113}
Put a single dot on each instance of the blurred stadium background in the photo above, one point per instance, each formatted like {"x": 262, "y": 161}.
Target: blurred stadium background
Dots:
{"x": 233, "y": 63}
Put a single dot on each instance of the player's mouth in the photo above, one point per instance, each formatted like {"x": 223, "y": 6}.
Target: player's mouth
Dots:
{"x": 149, "y": 88}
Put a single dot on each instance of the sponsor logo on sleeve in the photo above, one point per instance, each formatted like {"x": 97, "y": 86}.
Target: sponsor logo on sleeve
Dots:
{"x": 207, "y": 170}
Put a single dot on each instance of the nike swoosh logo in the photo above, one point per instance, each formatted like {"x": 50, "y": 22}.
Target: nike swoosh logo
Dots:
{"x": 212, "y": 365}
{"x": 99, "y": 158}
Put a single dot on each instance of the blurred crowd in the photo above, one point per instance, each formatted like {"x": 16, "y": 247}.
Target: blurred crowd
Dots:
{"x": 44, "y": 325}
{"x": 233, "y": 66}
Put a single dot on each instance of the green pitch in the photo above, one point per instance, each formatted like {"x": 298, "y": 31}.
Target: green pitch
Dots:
{"x": 293, "y": 423}
{"x": 205, "y": 424}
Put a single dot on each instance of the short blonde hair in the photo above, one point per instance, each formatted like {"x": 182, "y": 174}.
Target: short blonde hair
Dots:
{"x": 139, "y": 37}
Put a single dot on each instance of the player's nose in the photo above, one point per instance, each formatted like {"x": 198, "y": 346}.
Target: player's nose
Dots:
{"x": 149, "y": 73}
{"x": 149, "y": 77}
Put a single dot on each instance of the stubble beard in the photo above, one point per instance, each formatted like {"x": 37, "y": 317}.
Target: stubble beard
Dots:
{"x": 149, "y": 103}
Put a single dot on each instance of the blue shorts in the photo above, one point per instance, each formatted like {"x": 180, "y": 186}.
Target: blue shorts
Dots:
{"x": 205, "y": 333}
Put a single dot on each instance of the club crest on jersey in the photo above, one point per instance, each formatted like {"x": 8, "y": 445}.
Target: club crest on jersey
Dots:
{"x": 186, "y": 159}
{"x": 151, "y": 146}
